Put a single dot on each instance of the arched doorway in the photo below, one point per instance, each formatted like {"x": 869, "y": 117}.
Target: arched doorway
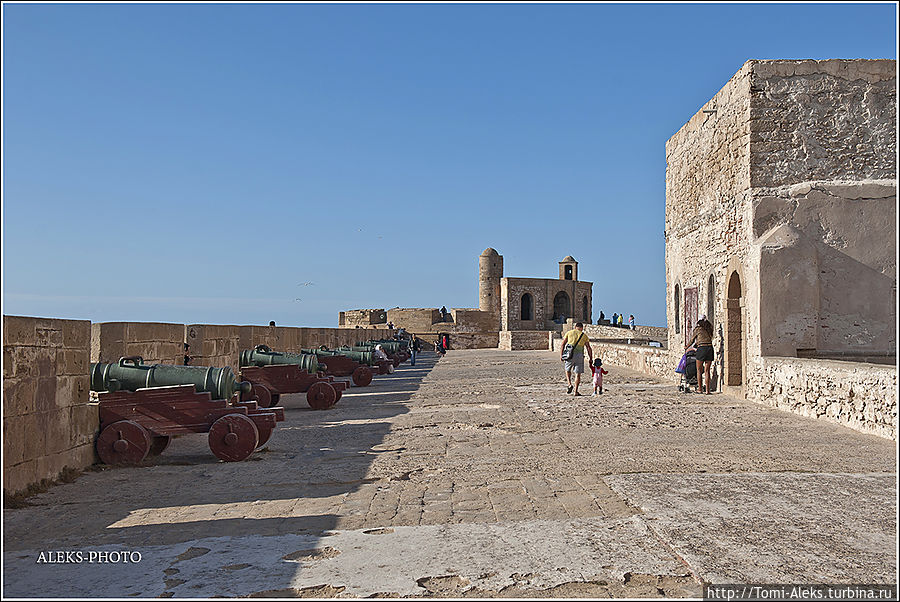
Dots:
{"x": 734, "y": 335}
{"x": 562, "y": 307}
{"x": 527, "y": 307}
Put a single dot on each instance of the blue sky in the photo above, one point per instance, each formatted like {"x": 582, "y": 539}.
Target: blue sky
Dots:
{"x": 246, "y": 163}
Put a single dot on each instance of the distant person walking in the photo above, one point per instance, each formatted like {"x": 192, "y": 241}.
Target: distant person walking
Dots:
{"x": 444, "y": 313}
{"x": 702, "y": 336}
{"x": 572, "y": 353}
{"x": 631, "y": 321}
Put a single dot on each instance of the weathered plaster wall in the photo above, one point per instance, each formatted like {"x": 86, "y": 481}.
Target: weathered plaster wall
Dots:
{"x": 827, "y": 267}
{"x": 860, "y": 396}
{"x": 707, "y": 182}
{"x": 48, "y": 421}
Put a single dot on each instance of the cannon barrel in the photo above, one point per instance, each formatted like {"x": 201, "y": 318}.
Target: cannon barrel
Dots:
{"x": 131, "y": 373}
{"x": 363, "y": 357}
{"x": 262, "y": 355}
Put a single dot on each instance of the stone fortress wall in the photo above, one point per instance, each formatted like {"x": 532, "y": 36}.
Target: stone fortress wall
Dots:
{"x": 49, "y": 422}
{"x": 780, "y": 225}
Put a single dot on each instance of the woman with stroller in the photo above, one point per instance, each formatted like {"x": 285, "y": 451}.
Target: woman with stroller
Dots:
{"x": 702, "y": 336}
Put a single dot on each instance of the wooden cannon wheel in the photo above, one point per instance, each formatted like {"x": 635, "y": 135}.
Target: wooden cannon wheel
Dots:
{"x": 262, "y": 394}
{"x": 233, "y": 437}
{"x": 159, "y": 444}
{"x": 362, "y": 376}
{"x": 321, "y": 396}
{"x": 264, "y": 435}
{"x": 123, "y": 442}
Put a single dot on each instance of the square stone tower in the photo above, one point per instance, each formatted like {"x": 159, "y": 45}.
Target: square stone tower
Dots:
{"x": 781, "y": 213}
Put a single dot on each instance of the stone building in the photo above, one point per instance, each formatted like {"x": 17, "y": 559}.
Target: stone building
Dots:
{"x": 780, "y": 220}
{"x": 504, "y": 304}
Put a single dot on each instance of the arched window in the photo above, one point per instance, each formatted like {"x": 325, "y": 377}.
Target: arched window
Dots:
{"x": 568, "y": 273}
{"x": 561, "y": 306}
{"x": 711, "y": 299}
{"x": 677, "y": 309}
{"x": 585, "y": 310}
{"x": 527, "y": 307}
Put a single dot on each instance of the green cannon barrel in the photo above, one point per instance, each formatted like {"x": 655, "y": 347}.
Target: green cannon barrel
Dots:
{"x": 131, "y": 373}
{"x": 262, "y": 355}
{"x": 363, "y": 357}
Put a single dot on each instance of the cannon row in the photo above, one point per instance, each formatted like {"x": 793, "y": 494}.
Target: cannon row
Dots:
{"x": 142, "y": 405}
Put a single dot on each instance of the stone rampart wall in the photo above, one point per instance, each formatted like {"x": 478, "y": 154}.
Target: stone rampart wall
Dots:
{"x": 860, "y": 396}
{"x": 602, "y": 331}
{"x": 156, "y": 342}
{"x": 49, "y": 423}
{"x": 515, "y": 340}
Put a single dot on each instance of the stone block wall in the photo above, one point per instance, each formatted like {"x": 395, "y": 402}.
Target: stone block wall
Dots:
{"x": 471, "y": 320}
{"x": 157, "y": 343}
{"x": 515, "y": 340}
{"x": 654, "y": 333}
{"x": 48, "y": 422}
{"x": 414, "y": 319}
{"x": 542, "y": 291}
{"x": 361, "y": 317}
{"x": 469, "y": 340}
{"x": 860, "y": 396}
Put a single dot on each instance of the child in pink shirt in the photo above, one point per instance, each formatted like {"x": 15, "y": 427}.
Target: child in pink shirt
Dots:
{"x": 598, "y": 371}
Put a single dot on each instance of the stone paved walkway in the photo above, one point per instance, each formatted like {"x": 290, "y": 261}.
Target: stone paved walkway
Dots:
{"x": 476, "y": 475}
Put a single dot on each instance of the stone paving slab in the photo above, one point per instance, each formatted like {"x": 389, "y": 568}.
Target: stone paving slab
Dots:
{"x": 773, "y": 528}
{"x": 536, "y": 555}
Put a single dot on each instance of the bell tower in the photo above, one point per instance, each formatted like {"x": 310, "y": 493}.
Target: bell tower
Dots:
{"x": 568, "y": 268}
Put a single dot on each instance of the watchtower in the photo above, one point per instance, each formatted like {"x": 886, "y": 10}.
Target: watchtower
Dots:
{"x": 568, "y": 268}
{"x": 490, "y": 271}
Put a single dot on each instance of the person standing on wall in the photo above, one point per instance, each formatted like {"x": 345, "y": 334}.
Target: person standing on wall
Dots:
{"x": 615, "y": 319}
{"x": 631, "y": 321}
{"x": 600, "y": 319}
{"x": 414, "y": 347}
{"x": 574, "y": 343}
{"x": 702, "y": 335}
{"x": 621, "y": 320}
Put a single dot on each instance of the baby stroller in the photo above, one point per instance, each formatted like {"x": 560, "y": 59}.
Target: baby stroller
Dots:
{"x": 688, "y": 369}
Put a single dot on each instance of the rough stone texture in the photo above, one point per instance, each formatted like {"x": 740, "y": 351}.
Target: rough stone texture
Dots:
{"x": 860, "y": 396}
{"x": 543, "y": 291}
{"x": 827, "y": 120}
{"x": 48, "y": 422}
{"x": 780, "y": 217}
{"x": 654, "y": 333}
{"x": 361, "y": 317}
{"x": 468, "y": 340}
{"x": 414, "y": 319}
{"x": 156, "y": 342}
{"x": 476, "y": 475}
{"x": 514, "y": 340}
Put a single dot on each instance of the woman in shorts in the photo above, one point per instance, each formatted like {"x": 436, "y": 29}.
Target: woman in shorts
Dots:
{"x": 702, "y": 336}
